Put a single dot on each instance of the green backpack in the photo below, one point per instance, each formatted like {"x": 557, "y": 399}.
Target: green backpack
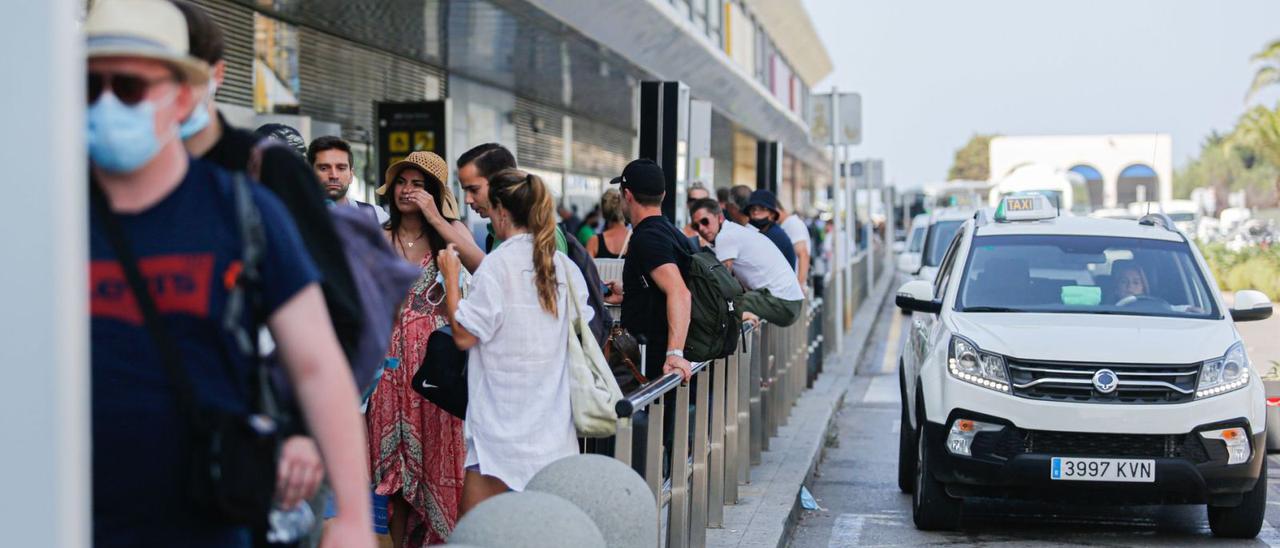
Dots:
{"x": 714, "y": 325}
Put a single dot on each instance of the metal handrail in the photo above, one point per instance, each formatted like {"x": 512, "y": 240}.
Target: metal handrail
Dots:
{"x": 654, "y": 389}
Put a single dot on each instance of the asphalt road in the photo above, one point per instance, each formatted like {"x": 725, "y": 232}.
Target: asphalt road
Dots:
{"x": 860, "y": 505}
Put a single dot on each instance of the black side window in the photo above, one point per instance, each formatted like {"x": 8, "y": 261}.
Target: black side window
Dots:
{"x": 944, "y": 270}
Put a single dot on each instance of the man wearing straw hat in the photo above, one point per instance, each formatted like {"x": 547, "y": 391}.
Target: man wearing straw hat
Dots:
{"x": 168, "y": 223}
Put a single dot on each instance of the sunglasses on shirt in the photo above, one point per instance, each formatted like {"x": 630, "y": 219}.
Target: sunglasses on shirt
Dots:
{"x": 128, "y": 88}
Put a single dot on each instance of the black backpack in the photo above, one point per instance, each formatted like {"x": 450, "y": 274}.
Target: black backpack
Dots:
{"x": 714, "y": 324}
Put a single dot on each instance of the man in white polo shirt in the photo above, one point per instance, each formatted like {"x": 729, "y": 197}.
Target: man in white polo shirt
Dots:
{"x": 773, "y": 292}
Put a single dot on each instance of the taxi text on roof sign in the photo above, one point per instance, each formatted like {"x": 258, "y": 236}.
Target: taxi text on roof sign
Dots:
{"x": 1025, "y": 207}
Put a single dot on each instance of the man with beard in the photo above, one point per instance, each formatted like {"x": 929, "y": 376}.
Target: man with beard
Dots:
{"x": 330, "y": 157}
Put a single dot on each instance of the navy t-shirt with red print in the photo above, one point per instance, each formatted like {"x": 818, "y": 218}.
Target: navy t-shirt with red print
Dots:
{"x": 188, "y": 248}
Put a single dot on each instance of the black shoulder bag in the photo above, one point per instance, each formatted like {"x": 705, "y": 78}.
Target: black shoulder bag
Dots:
{"x": 231, "y": 457}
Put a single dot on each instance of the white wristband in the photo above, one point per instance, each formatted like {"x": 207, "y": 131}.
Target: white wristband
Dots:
{"x": 677, "y": 352}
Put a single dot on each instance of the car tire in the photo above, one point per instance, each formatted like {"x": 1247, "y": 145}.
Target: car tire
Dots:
{"x": 906, "y": 441}
{"x": 1243, "y": 521}
{"x": 932, "y": 509}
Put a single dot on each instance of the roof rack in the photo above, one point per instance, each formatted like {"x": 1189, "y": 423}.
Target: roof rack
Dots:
{"x": 1158, "y": 219}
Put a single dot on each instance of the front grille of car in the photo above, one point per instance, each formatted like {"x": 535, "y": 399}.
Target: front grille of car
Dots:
{"x": 1073, "y": 382}
{"x": 1011, "y": 442}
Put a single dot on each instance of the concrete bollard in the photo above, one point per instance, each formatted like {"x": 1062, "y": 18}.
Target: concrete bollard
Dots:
{"x": 526, "y": 520}
{"x": 615, "y": 497}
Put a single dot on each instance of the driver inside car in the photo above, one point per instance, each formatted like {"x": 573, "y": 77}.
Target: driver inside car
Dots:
{"x": 1130, "y": 282}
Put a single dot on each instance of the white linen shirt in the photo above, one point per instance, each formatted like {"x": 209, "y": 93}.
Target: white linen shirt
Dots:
{"x": 518, "y": 414}
{"x": 757, "y": 262}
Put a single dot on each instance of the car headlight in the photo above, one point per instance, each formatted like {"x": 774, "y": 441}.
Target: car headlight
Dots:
{"x": 1222, "y": 375}
{"x": 967, "y": 363}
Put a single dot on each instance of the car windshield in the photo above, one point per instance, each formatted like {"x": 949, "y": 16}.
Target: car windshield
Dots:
{"x": 917, "y": 240}
{"x": 1085, "y": 275}
{"x": 940, "y": 236}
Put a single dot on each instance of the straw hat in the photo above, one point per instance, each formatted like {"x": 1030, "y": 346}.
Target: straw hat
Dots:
{"x": 433, "y": 165}
{"x": 150, "y": 29}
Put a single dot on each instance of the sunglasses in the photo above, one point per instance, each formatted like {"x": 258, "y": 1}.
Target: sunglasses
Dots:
{"x": 128, "y": 88}
{"x": 705, "y": 221}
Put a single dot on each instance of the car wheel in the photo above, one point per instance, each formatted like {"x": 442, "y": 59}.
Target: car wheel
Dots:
{"x": 932, "y": 508}
{"x": 1245, "y": 520}
{"x": 906, "y": 442}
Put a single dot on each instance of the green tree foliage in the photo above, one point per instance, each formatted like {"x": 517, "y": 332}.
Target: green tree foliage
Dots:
{"x": 1268, "y": 73}
{"x": 1227, "y": 164}
{"x": 972, "y": 161}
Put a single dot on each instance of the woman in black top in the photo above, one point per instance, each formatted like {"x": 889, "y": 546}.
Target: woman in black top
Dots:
{"x": 615, "y": 234}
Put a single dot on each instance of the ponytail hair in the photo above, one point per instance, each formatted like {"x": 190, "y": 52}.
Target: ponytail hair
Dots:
{"x": 529, "y": 202}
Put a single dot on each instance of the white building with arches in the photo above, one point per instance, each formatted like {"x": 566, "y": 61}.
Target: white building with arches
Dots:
{"x": 1116, "y": 169}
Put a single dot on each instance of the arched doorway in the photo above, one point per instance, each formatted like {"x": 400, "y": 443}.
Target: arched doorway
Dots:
{"x": 1093, "y": 185}
{"x": 1137, "y": 183}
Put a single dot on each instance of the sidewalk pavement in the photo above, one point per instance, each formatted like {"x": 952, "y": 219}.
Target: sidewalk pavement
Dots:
{"x": 768, "y": 506}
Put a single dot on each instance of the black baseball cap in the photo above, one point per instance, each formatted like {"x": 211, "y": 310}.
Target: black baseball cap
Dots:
{"x": 642, "y": 176}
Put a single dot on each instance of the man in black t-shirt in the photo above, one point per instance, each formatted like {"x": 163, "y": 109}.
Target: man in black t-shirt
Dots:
{"x": 655, "y": 301}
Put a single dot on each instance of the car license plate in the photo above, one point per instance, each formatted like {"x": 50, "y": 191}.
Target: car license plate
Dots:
{"x": 1082, "y": 469}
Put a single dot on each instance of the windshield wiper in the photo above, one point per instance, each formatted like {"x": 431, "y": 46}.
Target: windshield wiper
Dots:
{"x": 990, "y": 309}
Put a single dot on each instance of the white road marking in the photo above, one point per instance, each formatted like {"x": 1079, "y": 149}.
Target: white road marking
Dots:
{"x": 846, "y": 531}
{"x": 891, "y": 346}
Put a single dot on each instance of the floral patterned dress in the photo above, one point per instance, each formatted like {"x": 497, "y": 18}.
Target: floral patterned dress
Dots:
{"x": 416, "y": 449}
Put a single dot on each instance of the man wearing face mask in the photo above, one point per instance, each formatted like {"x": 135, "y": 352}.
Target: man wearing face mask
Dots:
{"x": 171, "y": 219}
{"x": 762, "y": 213}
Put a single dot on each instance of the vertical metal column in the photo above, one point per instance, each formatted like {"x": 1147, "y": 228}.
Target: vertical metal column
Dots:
{"x": 837, "y": 186}
{"x": 44, "y": 325}
{"x": 664, "y": 110}
{"x": 768, "y": 166}
{"x": 678, "y": 520}
{"x": 719, "y": 436}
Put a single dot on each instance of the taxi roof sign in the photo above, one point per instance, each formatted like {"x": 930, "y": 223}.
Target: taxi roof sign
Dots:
{"x": 1025, "y": 207}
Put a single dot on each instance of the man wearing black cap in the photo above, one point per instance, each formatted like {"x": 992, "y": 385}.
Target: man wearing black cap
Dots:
{"x": 762, "y": 210}
{"x": 655, "y": 300}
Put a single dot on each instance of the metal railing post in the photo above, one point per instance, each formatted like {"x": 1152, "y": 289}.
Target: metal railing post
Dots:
{"x": 698, "y": 498}
{"x": 732, "y": 453}
{"x": 622, "y": 441}
{"x": 755, "y": 411}
{"x": 715, "y": 470}
{"x": 678, "y": 519}
{"x": 743, "y": 418}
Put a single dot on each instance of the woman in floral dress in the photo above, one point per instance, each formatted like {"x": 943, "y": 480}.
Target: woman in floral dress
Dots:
{"x": 416, "y": 449}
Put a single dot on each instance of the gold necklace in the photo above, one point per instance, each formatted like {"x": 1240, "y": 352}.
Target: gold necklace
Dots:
{"x": 413, "y": 241}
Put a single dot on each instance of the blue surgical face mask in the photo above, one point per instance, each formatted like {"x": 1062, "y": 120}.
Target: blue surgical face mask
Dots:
{"x": 199, "y": 118}
{"x": 123, "y": 138}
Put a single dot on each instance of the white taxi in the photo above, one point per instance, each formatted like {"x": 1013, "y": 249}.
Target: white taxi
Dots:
{"x": 1079, "y": 359}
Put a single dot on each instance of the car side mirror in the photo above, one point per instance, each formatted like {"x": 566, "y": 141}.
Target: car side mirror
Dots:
{"x": 1251, "y": 306}
{"x": 917, "y": 296}
{"x": 899, "y": 246}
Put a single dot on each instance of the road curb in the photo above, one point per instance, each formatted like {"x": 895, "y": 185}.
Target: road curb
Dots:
{"x": 769, "y": 506}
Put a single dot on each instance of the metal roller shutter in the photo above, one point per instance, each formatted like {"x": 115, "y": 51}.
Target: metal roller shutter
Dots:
{"x": 599, "y": 149}
{"x": 236, "y": 22}
{"x": 539, "y": 135}
{"x": 340, "y": 80}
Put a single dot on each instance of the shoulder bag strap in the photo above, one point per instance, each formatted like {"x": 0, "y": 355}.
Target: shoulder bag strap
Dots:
{"x": 248, "y": 289}
{"x": 170, "y": 357}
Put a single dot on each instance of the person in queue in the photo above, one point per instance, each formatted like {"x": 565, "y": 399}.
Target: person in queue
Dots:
{"x": 616, "y": 234}
{"x": 515, "y": 320}
{"x": 415, "y": 447}
{"x": 761, "y": 213}
{"x": 207, "y": 135}
{"x": 796, "y": 230}
{"x": 696, "y": 192}
{"x": 773, "y": 292}
{"x": 175, "y": 219}
{"x": 475, "y": 166}
{"x": 655, "y": 300}
{"x": 332, "y": 161}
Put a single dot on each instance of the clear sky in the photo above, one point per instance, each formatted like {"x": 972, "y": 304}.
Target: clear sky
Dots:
{"x": 933, "y": 72}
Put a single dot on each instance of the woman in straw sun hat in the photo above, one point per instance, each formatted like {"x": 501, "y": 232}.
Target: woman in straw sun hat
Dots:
{"x": 416, "y": 448}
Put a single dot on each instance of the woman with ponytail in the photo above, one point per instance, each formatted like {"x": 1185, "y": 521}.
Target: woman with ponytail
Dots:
{"x": 516, "y": 316}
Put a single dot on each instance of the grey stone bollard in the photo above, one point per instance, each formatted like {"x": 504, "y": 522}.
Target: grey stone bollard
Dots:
{"x": 614, "y": 495}
{"x": 526, "y": 520}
